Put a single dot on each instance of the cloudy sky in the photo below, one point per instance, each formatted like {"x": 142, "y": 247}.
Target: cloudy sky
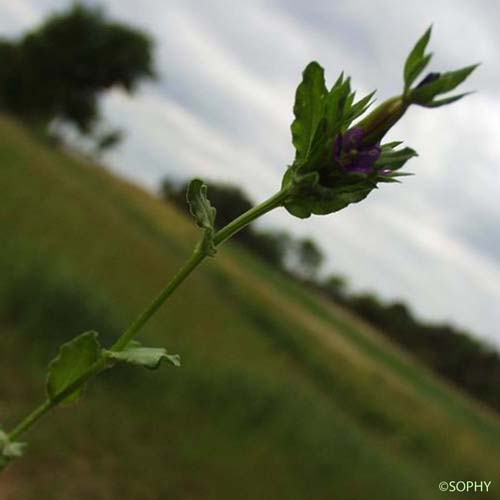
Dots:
{"x": 222, "y": 109}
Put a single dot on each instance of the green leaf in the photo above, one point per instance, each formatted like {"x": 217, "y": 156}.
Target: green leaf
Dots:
{"x": 299, "y": 208}
{"x": 74, "y": 359}
{"x": 402, "y": 174}
{"x": 416, "y": 70}
{"x": 436, "y": 103}
{"x": 445, "y": 83}
{"x": 325, "y": 200}
{"x": 148, "y": 357}
{"x": 203, "y": 212}
{"x": 335, "y": 105}
{"x": 387, "y": 178}
{"x": 395, "y": 159}
{"x": 360, "y": 107}
{"x": 414, "y": 61}
{"x": 450, "y": 80}
{"x": 391, "y": 145}
{"x": 309, "y": 109}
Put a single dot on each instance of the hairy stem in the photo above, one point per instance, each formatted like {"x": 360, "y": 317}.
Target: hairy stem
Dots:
{"x": 189, "y": 266}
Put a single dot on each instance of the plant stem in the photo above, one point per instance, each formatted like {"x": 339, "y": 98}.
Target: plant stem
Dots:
{"x": 34, "y": 416}
{"x": 93, "y": 370}
{"x": 189, "y": 266}
{"x": 254, "y": 213}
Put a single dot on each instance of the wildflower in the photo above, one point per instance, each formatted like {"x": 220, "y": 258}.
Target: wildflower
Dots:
{"x": 352, "y": 155}
{"x": 333, "y": 142}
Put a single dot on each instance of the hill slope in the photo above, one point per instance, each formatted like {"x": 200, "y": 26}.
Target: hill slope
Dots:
{"x": 281, "y": 394}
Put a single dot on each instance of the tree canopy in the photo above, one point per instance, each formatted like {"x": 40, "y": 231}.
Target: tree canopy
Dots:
{"x": 59, "y": 69}
{"x": 310, "y": 257}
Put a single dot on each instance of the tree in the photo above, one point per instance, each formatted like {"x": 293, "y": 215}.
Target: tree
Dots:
{"x": 335, "y": 286}
{"x": 60, "y": 69}
{"x": 309, "y": 257}
{"x": 272, "y": 246}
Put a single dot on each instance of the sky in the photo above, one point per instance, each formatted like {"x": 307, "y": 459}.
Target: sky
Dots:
{"x": 222, "y": 107}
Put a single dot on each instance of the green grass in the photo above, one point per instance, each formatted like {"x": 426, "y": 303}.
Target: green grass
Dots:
{"x": 280, "y": 395}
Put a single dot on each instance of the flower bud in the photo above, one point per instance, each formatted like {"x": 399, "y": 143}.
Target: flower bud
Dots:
{"x": 381, "y": 119}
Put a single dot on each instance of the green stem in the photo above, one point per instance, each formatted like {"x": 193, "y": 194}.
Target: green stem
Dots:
{"x": 254, "y": 213}
{"x": 34, "y": 416}
{"x": 190, "y": 265}
{"x": 48, "y": 404}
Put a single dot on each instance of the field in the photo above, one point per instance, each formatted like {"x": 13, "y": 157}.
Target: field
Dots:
{"x": 281, "y": 394}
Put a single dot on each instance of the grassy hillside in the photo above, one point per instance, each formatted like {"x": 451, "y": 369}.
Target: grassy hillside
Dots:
{"x": 281, "y": 395}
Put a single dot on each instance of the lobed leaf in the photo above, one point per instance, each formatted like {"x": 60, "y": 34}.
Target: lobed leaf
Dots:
{"x": 74, "y": 359}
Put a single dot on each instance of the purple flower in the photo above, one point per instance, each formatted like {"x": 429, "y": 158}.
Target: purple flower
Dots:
{"x": 352, "y": 155}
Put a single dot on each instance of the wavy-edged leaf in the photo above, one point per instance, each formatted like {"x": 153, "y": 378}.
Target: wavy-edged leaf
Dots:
{"x": 148, "y": 357}
{"x": 203, "y": 212}
{"x": 74, "y": 359}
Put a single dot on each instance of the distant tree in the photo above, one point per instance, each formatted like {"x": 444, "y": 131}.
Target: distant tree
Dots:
{"x": 335, "y": 286}
{"x": 171, "y": 191}
{"x": 272, "y": 246}
{"x": 108, "y": 140}
{"x": 309, "y": 257}
{"x": 60, "y": 69}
